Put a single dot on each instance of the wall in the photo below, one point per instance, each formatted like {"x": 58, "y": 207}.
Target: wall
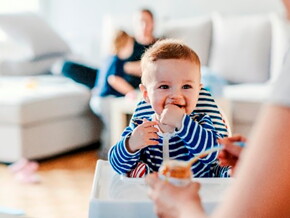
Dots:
{"x": 13, "y": 6}
{"x": 80, "y": 21}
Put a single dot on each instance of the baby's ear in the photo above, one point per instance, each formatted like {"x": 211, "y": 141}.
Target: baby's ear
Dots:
{"x": 144, "y": 93}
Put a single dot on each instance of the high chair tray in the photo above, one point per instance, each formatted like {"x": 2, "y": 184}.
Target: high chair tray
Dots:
{"x": 114, "y": 195}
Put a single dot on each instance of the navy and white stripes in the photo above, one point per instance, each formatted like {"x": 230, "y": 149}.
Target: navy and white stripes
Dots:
{"x": 199, "y": 132}
{"x": 206, "y": 104}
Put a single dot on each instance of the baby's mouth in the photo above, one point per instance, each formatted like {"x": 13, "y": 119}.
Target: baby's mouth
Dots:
{"x": 180, "y": 106}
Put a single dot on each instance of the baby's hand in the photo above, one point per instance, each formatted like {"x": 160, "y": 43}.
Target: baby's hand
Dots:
{"x": 172, "y": 116}
{"x": 142, "y": 136}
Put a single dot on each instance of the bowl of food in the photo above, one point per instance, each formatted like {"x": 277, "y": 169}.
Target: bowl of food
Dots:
{"x": 176, "y": 172}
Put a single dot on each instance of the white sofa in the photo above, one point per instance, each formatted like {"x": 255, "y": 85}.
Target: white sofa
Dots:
{"x": 246, "y": 50}
{"x": 40, "y": 115}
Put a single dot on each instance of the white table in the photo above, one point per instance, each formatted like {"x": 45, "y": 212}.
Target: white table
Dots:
{"x": 115, "y": 196}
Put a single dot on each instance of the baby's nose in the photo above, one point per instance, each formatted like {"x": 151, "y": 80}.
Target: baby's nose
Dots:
{"x": 175, "y": 97}
{"x": 175, "y": 94}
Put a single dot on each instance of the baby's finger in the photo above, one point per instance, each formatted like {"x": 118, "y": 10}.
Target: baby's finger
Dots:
{"x": 151, "y": 129}
{"x": 151, "y": 142}
{"x": 149, "y": 124}
{"x": 153, "y": 136}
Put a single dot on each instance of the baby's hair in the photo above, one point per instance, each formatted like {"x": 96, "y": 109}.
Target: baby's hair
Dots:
{"x": 168, "y": 49}
{"x": 119, "y": 40}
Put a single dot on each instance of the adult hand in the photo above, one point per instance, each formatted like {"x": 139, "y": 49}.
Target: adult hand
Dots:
{"x": 229, "y": 156}
{"x": 143, "y": 135}
{"x": 174, "y": 201}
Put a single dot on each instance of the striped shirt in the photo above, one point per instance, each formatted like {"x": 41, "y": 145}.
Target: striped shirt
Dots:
{"x": 198, "y": 133}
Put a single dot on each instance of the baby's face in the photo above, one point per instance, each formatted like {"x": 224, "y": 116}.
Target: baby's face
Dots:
{"x": 172, "y": 81}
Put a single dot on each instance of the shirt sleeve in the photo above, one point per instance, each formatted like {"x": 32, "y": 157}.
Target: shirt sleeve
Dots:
{"x": 199, "y": 135}
{"x": 120, "y": 158}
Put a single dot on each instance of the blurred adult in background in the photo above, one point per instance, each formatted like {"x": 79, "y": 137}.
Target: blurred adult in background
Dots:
{"x": 144, "y": 38}
{"x": 131, "y": 71}
{"x": 143, "y": 30}
{"x": 130, "y": 68}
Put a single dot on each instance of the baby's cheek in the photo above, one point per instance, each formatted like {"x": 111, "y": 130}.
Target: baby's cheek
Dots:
{"x": 190, "y": 107}
{"x": 158, "y": 111}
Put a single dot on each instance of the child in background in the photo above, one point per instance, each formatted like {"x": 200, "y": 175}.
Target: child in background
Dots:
{"x": 113, "y": 82}
{"x": 112, "y": 78}
{"x": 171, "y": 85}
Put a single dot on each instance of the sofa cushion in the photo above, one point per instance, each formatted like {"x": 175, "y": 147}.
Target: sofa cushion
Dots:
{"x": 247, "y": 100}
{"x": 12, "y": 49}
{"x": 255, "y": 92}
{"x": 33, "y": 33}
{"x": 195, "y": 32}
{"x": 25, "y": 67}
{"x": 241, "y": 48}
{"x": 28, "y": 100}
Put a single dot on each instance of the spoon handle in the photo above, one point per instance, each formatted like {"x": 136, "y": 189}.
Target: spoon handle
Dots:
{"x": 241, "y": 144}
{"x": 203, "y": 154}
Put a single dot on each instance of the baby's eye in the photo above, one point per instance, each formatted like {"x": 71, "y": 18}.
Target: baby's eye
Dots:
{"x": 163, "y": 87}
{"x": 187, "y": 86}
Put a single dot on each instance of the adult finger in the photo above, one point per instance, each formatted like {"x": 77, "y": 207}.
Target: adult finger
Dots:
{"x": 237, "y": 138}
{"x": 196, "y": 185}
{"x": 233, "y": 149}
{"x": 231, "y": 140}
{"x": 152, "y": 179}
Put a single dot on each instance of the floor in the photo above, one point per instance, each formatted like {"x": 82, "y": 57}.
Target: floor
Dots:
{"x": 64, "y": 190}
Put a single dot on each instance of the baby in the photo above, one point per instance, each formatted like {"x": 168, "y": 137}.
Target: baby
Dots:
{"x": 171, "y": 85}
{"x": 112, "y": 78}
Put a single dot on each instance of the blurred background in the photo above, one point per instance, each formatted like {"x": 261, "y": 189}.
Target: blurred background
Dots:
{"x": 80, "y": 22}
